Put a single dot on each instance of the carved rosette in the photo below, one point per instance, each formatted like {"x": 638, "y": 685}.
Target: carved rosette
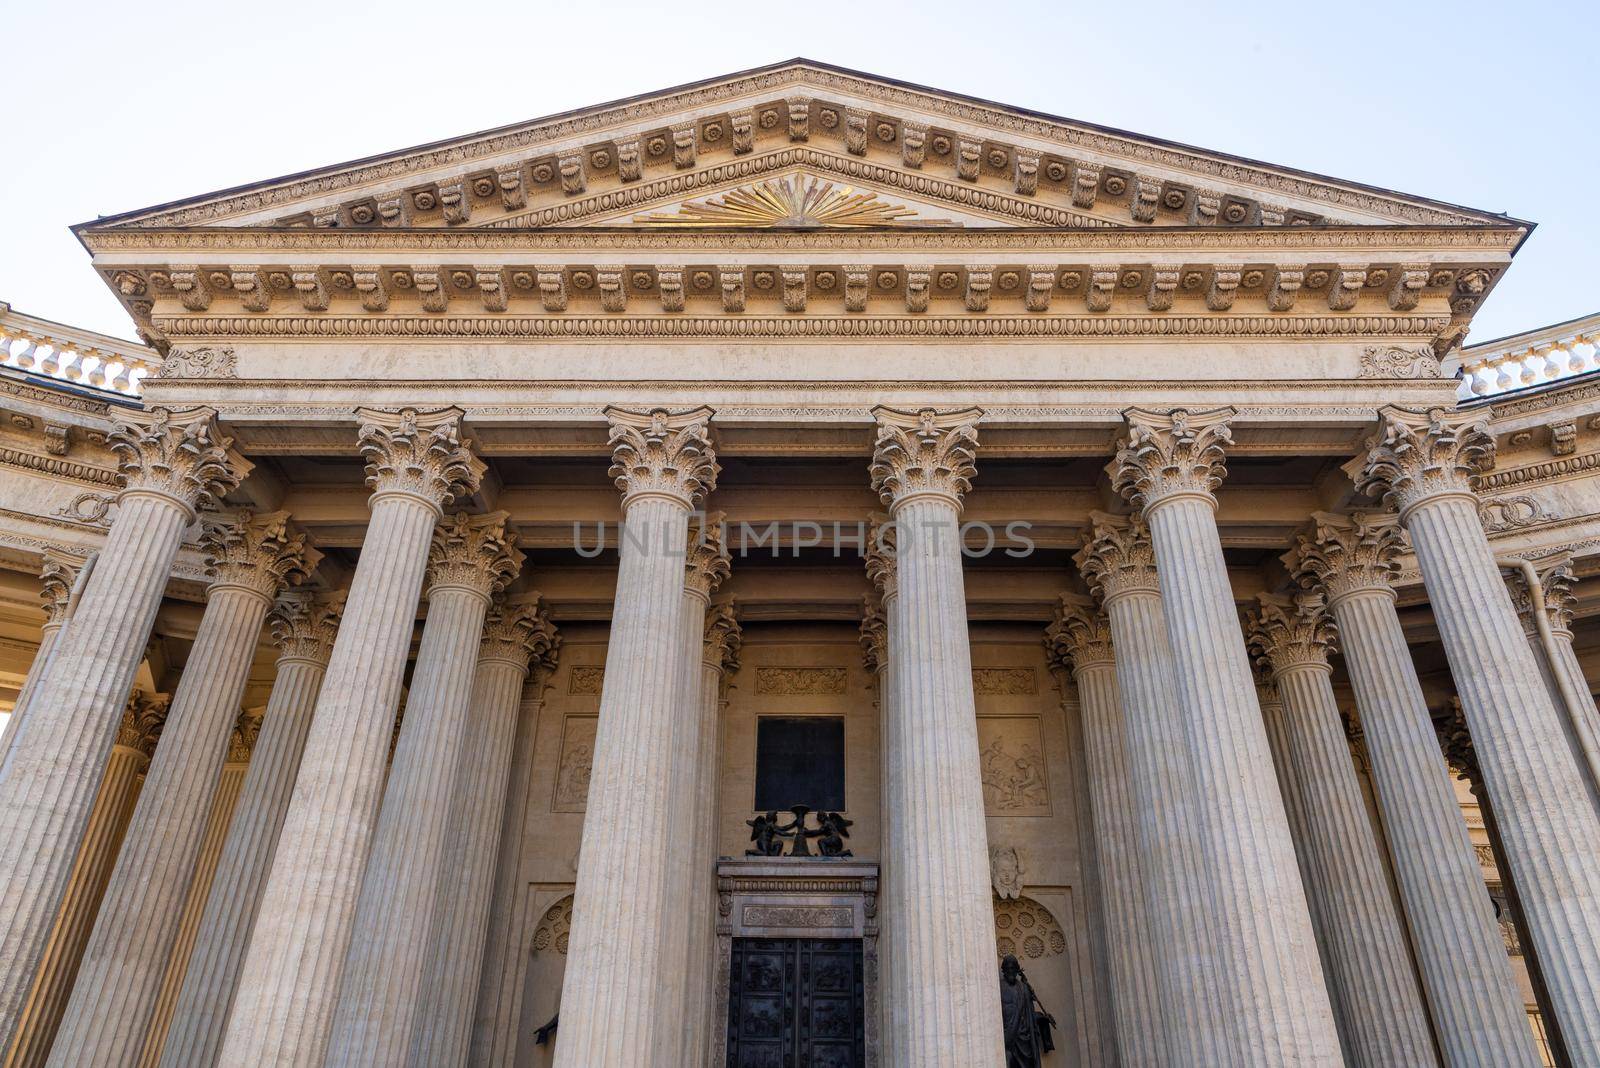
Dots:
{"x": 924, "y": 454}
{"x": 1117, "y": 557}
{"x": 1417, "y": 456}
{"x": 1556, "y": 582}
{"x": 1080, "y": 637}
{"x": 56, "y": 577}
{"x": 476, "y": 553}
{"x": 258, "y": 553}
{"x": 662, "y": 454}
{"x": 304, "y": 625}
{"x": 723, "y": 637}
{"x": 418, "y": 454}
{"x": 1169, "y": 455}
{"x": 178, "y": 454}
{"x": 1348, "y": 554}
{"x": 522, "y": 635}
{"x": 706, "y": 562}
{"x": 882, "y": 547}
{"x": 874, "y": 635}
{"x": 1291, "y": 632}
{"x": 142, "y": 719}
{"x": 246, "y": 729}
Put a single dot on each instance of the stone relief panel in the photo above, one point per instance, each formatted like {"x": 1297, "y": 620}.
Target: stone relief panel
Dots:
{"x": 574, "y": 766}
{"x": 1026, "y": 930}
{"x": 554, "y": 927}
{"x": 801, "y": 681}
{"x": 586, "y": 680}
{"x": 1004, "y": 681}
{"x": 1011, "y": 753}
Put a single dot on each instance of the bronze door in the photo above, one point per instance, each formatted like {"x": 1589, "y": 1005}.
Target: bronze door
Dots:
{"x": 795, "y": 1003}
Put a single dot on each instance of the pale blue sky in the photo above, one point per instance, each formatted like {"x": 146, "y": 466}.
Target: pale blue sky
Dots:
{"x": 114, "y": 106}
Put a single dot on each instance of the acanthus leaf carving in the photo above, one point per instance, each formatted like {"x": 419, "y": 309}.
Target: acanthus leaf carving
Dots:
{"x": 1117, "y": 556}
{"x": 1287, "y": 633}
{"x": 522, "y": 635}
{"x": 1170, "y": 454}
{"x": 177, "y": 453}
{"x": 662, "y": 453}
{"x": 1080, "y": 635}
{"x": 1394, "y": 361}
{"x": 204, "y": 361}
{"x": 473, "y": 552}
{"x": 706, "y": 560}
{"x": 723, "y": 637}
{"x": 924, "y": 453}
{"x": 418, "y": 453}
{"x": 1418, "y": 455}
{"x": 1348, "y": 554}
{"x": 304, "y": 624}
{"x": 259, "y": 553}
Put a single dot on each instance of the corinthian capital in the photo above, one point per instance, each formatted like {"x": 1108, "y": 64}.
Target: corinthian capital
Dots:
{"x": 723, "y": 637}
{"x": 246, "y": 729}
{"x": 706, "y": 562}
{"x": 882, "y": 546}
{"x": 142, "y": 719}
{"x": 1080, "y": 637}
{"x": 924, "y": 454}
{"x": 521, "y": 635}
{"x": 1291, "y": 632}
{"x": 1117, "y": 557}
{"x": 57, "y": 576}
{"x": 662, "y": 454}
{"x": 477, "y": 553}
{"x": 178, "y": 454}
{"x": 259, "y": 553}
{"x": 1556, "y": 597}
{"x": 1166, "y": 455}
{"x": 874, "y": 635}
{"x": 1347, "y": 554}
{"x": 418, "y": 454}
{"x": 304, "y": 625}
{"x": 1417, "y": 456}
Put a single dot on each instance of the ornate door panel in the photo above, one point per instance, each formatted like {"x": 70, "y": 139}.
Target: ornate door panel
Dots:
{"x": 795, "y": 1003}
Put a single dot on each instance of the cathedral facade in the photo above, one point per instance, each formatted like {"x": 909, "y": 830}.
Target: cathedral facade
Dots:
{"x": 705, "y": 579}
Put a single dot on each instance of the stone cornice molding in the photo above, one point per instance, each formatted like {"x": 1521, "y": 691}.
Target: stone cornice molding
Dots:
{"x": 260, "y": 554}
{"x": 305, "y": 624}
{"x": 662, "y": 454}
{"x": 1291, "y": 633}
{"x": 1117, "y": 558}
{"x": 176, "y": 454}
{"x": 1080, "y": 636}
{"x": 1347, "y": 554}
{"x": 1169, "y": 455}
{"x": 57, "y": 576}
{"x": 723, "y": 637}
{"x": 1556, "y": 582}
{"x": 521, "y": 635}
{"x": 475, "y": 553}
{"x": 926, "y": 453}
{"x": 1421, "y": 455}
{"x": 706, "y": 561}
{"x": 419, "y": 454}
{"x": 874, "y": 635}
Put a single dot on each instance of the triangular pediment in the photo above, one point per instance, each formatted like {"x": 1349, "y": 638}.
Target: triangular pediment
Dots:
{"x": 938, "y": 155}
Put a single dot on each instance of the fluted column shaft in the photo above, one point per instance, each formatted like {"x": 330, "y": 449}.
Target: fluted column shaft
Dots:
{"x": 206, "y": 997}
{"x": 1545, "y": 608}
{"x": 36, "y": 671}
{"x": 1551, "y": 830}
{"x": 224, "y": 802}
{"x": 108, "y": 823}
{"x": 60, "y": 577}
{"x": 1377, "y": 1003}
{"x": 1585, "y": 719}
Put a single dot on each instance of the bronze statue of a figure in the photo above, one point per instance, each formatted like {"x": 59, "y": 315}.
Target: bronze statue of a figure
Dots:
{"x": 767, "y": 835}
{"x": 1027, "y": 1025}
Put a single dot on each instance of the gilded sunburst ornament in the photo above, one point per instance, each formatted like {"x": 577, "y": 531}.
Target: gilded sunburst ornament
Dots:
{"x": 791, "y": 202}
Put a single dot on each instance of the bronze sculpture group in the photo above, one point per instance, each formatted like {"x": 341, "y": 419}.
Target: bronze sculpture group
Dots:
{"x": 770, "y": 836}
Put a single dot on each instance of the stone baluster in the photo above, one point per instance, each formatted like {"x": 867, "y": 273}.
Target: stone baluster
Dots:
{"x": 1477, "y": 1011}
{"x": 945, "y": 978}
{"x": 1169, "y": 466}
{"x": 303, "y": 626}
{"x": 283, "y": 1012}
{"x": 1080, "y": 638}
{"x": 516, "y": 638}
{"x": 113, "y": 805}
{"x": 57, "y": 578}
{"x": 251, "y": 558}
{"x": 1118, "y": 563}
{"x": 1377, "y": 1003}
{"x": 664, "y": 465}
{"x": 880, "y": 607}
{"x": 224, "y": 803}
{"x": 171, "y": 462}
{"x": 472, "y": 560}
{"x": 1563, "y": 675}
{"x": 1423, "y": 462}
{"x": 719, "y": 651}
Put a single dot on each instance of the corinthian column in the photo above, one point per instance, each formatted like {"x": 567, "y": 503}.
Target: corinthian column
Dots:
{"x": 1169, "y": 466}
{"x": 57, "y": 578}
{"x": 1080, "y": 637}
{"x": 1423, "y": 463}
{"x": 719, "y": 652}
{"x": 171, "y": 463}
{"x": 515, "y": 637}
{"x": 1377, "y": 1004}
{"x": 1558, "y": 663}
{"x": 303, "y": 627}
{"x": 695, "y": 745}
{"x": 473, "y": 559}
{"x": 879, "y": 607}
{"x": 945, "y": 978}
{"x": 250, "y": 558}
{"x": 663, "y": 464}
{"x": 283, "y": 1012}
{"x": 1118, "y": 563}
{"x": 1477, "y": 1010}
{"x": 113, "y": 804}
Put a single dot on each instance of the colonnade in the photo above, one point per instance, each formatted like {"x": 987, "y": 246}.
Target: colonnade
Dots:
{"x": 358, "y": 912}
